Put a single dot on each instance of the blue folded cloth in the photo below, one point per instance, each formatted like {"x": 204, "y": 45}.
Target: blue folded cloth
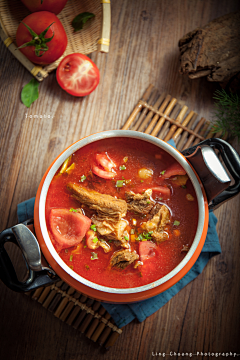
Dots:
{"x": 124, "y": 314}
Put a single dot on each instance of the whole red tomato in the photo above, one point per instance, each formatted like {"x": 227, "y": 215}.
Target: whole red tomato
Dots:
{"x": 38, "y": 45}
{"x": 54, "y": 6}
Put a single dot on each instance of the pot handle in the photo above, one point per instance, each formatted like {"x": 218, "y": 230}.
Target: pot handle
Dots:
{"x": 42, "y": 277}
{"x": 211, "y": 172}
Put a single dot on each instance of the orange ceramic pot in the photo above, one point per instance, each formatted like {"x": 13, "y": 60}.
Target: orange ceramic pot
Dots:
{"x": 211, "y": 184}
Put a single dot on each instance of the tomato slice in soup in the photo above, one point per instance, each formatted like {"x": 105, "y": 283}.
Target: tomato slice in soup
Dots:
{"x": 147, "y": 250}
{"x": 68, "y": 228}
{"x": 174, "y": 169}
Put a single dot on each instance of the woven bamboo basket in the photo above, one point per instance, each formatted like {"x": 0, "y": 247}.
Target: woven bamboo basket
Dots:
{"x": 95, "y": 36}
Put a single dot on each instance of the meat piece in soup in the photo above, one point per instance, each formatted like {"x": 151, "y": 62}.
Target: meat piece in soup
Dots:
{"x": 135, "y": 198}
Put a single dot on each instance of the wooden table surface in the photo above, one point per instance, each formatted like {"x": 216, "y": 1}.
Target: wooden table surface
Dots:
{"x": 204, "y": 316}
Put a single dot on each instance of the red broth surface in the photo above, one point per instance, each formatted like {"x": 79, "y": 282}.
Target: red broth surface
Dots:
{"x": 140, "y": 154}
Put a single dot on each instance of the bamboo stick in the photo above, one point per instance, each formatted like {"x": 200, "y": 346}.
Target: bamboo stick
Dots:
{"x": 145, "y": 110}
{"x": 137, "y": 108}
{"x": 67, "y": 311}
{"x": 185, "y": 123}
{"x": 100, "y": 327}
{"x": 49, "y": 299}
{"x": 73, "y": 315}
{"x": 63, "y": 303}
{"x": 85, "y": 323}
{"x": 179, "y": 120}
{"x": 202, "y": 132}
{"x": 156, "y": 117}
{"x": 186, "y": 133}
{"x": 55, "y": 302}
{"x": 167, "y": 123}
{"x": 163, "y": 118}
{"x": 103, "y": 337}
{"x": 112, "y": 339}
{"x": 79, "y": 319}
{"x": 191, "y": 137}
{"x": 92, "y": 328}
{"x": 104, "y": 41}
{"x": 37, "y": 293}
{"x": 151, "y": 113}
{"x": 44, "y": 294}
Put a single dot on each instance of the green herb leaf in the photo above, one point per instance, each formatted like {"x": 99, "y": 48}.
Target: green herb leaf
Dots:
{"x": 83, "y": 178}
{"x": 120, "y": 183}
{"x": 30, "y": 92}
{"x": 95, "y": 240}
{"x": 122, "y": 167}
{"x": 73, "y": 210}
{"x": 163, "y": 172}
{"x": 94, "y": 256}
{"x": 93, "y": 227}
{"x": 176, "y": 223}
{"x": 71, "y": 258}
{"x": 126, "y": 238}
{"x": 80, "y": 20}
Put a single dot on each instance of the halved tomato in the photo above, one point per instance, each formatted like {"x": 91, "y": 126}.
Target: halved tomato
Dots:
{"x": 78, "y": 75}
{"x": 68, "y": 228}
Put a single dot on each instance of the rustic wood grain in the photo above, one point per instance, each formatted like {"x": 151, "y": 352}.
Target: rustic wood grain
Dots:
{"x": 204, "y": 316}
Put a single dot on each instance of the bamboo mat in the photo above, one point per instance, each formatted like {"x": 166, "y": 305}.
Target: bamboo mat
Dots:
{"x": 157, "y": 114}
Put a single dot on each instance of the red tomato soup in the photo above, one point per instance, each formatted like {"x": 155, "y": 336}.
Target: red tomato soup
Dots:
{"x": 121, "y": 212}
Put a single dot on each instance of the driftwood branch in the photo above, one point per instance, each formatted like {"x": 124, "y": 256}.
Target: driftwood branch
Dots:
{"x": 213, "y": 50}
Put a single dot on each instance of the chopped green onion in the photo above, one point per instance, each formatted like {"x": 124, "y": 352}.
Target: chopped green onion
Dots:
{"x": 120, "y": 183}
{"x": 93, "y": 227}
{"x": 150, "y": 232}
{"x": 94, "y": 256}
{"x": 163, "y": 172}
{"x": 66, "y": 251}
{"x": 176, "y": 223}
{"x": 160, "y": 198}
{"x": 95, "y": 240}
{"x": 128, "y": 181}
{"x": 83, "y": 178}
{"x": 140, "y": 236}
{"x": 132, "y": 231}
{"x": 87, "y": 267}
{"x": 85, "y": 246}
{"x": 144, "y": 239}
{"x": 137, "y": 239}
{"x": 109, "y": 241}
{"x": 142, "y": 181}
{"x": 126, "y": 238}
{"x": 148, "y": 202}
{"x": 122, "y": 167}
{"x": 71, "y": 257}
{"x": 73, "y": 210}
{"x": 125, "y": 159}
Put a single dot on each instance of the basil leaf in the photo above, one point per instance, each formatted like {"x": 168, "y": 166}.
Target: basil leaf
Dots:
{"x": 80, "y": 20}
{"x": 30, "y": 92}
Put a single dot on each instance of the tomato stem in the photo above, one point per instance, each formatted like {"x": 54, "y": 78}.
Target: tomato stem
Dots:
{"x": 38, "y": 41}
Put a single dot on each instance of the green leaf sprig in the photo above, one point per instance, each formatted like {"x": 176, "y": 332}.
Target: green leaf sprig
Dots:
{"x": 39, "y": 41}
{"x": 226, "y": 114}
{"x": 80, "y": 20}
{"x": 30, "y": 92}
